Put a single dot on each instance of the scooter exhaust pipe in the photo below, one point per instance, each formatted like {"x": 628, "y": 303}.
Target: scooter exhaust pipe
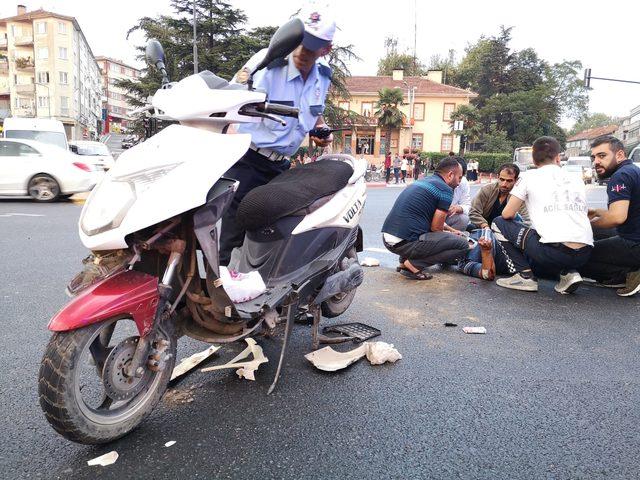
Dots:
{"x": 340, "y": 282}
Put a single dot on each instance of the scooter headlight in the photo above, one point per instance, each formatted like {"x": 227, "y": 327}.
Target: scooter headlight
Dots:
{"x": 109, "y": 202}
{"x": 106, "y": 206}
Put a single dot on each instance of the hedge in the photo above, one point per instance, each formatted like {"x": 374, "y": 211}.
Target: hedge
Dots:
{"x": 487, "y": 162}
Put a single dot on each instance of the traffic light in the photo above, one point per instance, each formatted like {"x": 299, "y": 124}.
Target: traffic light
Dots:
{"x": 587, "y": 77}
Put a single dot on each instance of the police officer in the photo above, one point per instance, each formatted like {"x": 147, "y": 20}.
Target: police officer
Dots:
{"x": 301, "y": 80}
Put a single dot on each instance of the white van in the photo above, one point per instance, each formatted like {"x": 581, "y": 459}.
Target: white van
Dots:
{"x": 45, "y": 130}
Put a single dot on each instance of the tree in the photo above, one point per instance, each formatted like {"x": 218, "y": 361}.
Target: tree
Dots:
{"x": 394, "y": 60}
{"x": 592, "y": 120}
{"x": 389, "y": 114}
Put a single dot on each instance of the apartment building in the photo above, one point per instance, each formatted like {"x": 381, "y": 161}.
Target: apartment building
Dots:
{"x": 580, "y": 143}
{"x": 48, "y": 70}
{"x": 629, "y": 129}
{"x": 115, "y": 106}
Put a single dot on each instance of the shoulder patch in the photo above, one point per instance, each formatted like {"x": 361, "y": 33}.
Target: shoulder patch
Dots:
{"x": 278, "y": 62}
{"x": 324, "y": 70}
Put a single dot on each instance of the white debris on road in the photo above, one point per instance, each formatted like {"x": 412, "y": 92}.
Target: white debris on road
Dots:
{"x": 370, "y": 262}
{"x": 170, "y": 443}
{"x": 194, "y": 360}
{"x": 479, "y": 330}
{"x": 330, "y": 360}
{"x": 104, "y": 460}
{"x": 245, "y": 369}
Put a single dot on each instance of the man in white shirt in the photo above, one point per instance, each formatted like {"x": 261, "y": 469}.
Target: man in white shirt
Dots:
{"x": 458, "y": 215}
{"x": 561, "y": 239}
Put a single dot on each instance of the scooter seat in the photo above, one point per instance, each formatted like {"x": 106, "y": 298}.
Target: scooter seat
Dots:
{"x": 291, "y": 192}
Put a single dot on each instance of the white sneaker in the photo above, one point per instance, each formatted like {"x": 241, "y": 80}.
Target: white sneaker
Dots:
{"x": 518, "y": 282}
{"x": 568, "y": 283}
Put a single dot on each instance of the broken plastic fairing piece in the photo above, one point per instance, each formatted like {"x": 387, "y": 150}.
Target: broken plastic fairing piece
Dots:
{"x": 330, "y": 360}
{"x": 245, "y": 369}
{"x": 193, "y": 361}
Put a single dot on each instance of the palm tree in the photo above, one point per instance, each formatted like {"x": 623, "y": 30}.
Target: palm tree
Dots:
{"x": 389, "y": 115}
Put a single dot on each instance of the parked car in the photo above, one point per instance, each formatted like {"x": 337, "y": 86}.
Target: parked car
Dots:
{"x": 588, "y": 174}
{"x": 634, "y": 156}
{"x": 42, "y": 171}
{"x": 97, "y": 153}
{"x": 127, "y": 142}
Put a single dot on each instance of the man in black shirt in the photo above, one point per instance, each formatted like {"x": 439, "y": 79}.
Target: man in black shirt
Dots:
{"x": 616, "y": 260}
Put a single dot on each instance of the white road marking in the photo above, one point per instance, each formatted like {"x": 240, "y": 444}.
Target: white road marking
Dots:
{"x": 377, "y": 250}
{"x": 20, "y": 215}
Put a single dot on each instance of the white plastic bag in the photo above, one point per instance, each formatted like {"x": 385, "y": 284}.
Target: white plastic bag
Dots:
{"x": 242, "y": 287}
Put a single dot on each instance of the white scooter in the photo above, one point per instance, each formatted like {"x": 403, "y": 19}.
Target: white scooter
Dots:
{"x": 151, "y": 225}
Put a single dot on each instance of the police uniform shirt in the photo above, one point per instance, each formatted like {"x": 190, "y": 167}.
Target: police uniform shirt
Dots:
{"x": 284, "y": 84}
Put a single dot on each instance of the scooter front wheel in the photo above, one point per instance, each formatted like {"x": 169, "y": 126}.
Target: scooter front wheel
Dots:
{"x": 85, "y": 392}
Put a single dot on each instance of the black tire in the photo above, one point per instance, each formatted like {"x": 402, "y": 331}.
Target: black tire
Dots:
{"x": 59, "y": 397}
{"x": 338, "y": 304}
{"x": 43, "y": 188}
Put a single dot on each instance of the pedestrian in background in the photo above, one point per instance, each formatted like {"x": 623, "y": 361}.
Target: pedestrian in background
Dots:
{"x": 387, "y": 166}
{"x": 403, "y": 169}
{"x": 397, "y": 163}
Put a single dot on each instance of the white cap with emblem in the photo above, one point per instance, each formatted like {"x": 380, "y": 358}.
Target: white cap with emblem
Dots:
{"x": 318, "y": 29}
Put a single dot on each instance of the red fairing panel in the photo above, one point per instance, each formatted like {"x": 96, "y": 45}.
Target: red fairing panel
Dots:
{"x": 125, "y": 293}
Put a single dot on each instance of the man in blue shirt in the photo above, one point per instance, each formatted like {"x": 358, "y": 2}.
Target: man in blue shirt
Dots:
{"x": 302, "y": 80}
{"x": 615, "y": 261}
{"x": 415, "y": 228}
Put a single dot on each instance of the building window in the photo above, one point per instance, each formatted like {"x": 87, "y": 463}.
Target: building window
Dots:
{"x": 64, "y": 106}
{"x": 16, "y": 31}
{"x": 446, "y": 143}
{"x": 418, "y": 111}
{"x": 24, "y": 102}
{"x": 448, "y": 110}
{"x": 367, "y": 109}
{"x": 63, "y": 78}
{"x": 15, "y": 79}
{"x": 122, "y": 70}
{"x": 43, "y": 102}
{"x": 416, "y": 141}
{"x": 344, "y": 105}
{"x": 62, "y": 27}
{"x": 41, "y": 27}
{"x": 43, "y": 53}
{"x": 43, "y": 77}
{"x": 62, "y": 53}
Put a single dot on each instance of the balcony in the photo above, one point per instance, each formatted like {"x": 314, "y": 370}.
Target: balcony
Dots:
{"x": 23, "y": 40}
{"x": 4, "y": 90}
{"x": 4, "y": 67}
{"x": 24, "y": 112}
{"x": 25, "y": 63}
{"x": 26, "y": 89}
{"x": 3, "y": 43}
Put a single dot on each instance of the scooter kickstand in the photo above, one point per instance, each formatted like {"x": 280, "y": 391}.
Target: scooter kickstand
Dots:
{"x": 291, "y": 311}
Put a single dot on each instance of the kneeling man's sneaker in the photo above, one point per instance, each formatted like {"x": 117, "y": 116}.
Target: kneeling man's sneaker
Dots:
{"x": 568, "y": 283}
{"x": 633, "y": 285}
{"x": 518, "y": 282}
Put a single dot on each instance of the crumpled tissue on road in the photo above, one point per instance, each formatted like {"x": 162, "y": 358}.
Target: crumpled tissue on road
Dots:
{"x": 104, "y": 460}
{"x": 370, "y": 262}
{"x": 330, "y": 360}
{"x": 245, "y": 369}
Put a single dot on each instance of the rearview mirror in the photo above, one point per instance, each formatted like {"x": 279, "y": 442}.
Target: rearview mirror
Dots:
{"x": 154, "y": 52}
{"x": 283, "y": 42}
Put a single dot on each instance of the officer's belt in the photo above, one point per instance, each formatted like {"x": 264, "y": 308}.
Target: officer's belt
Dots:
{"x": 269, "y": 154}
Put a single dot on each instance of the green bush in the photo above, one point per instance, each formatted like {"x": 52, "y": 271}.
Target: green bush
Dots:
{"x": 487, "y": 162}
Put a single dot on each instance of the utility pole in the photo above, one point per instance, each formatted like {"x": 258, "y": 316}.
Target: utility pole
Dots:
{"x": 415, "y": 34}
{"x": 195, "y": 42}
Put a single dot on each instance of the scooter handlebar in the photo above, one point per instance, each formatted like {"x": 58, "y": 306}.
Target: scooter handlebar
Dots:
{"x": 279, "y": 109}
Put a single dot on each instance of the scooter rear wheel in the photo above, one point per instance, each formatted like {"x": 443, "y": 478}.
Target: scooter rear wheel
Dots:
{"x": 338, "y": 304}
{"x": 73, "y": 395}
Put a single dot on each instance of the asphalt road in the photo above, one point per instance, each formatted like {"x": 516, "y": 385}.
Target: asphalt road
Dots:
{"x": 550, "y": 392}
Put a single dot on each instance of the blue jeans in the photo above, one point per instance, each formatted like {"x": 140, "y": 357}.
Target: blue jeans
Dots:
{"x": 547, "y": 260}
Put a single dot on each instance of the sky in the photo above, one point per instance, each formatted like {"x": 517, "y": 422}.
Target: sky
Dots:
{"x": 604, "y": 40}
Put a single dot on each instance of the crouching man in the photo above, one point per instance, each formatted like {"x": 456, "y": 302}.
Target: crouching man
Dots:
{"x": 561, "y": 239}
{"x": 615, "y": 261}
{"x": 415, "y": 228}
